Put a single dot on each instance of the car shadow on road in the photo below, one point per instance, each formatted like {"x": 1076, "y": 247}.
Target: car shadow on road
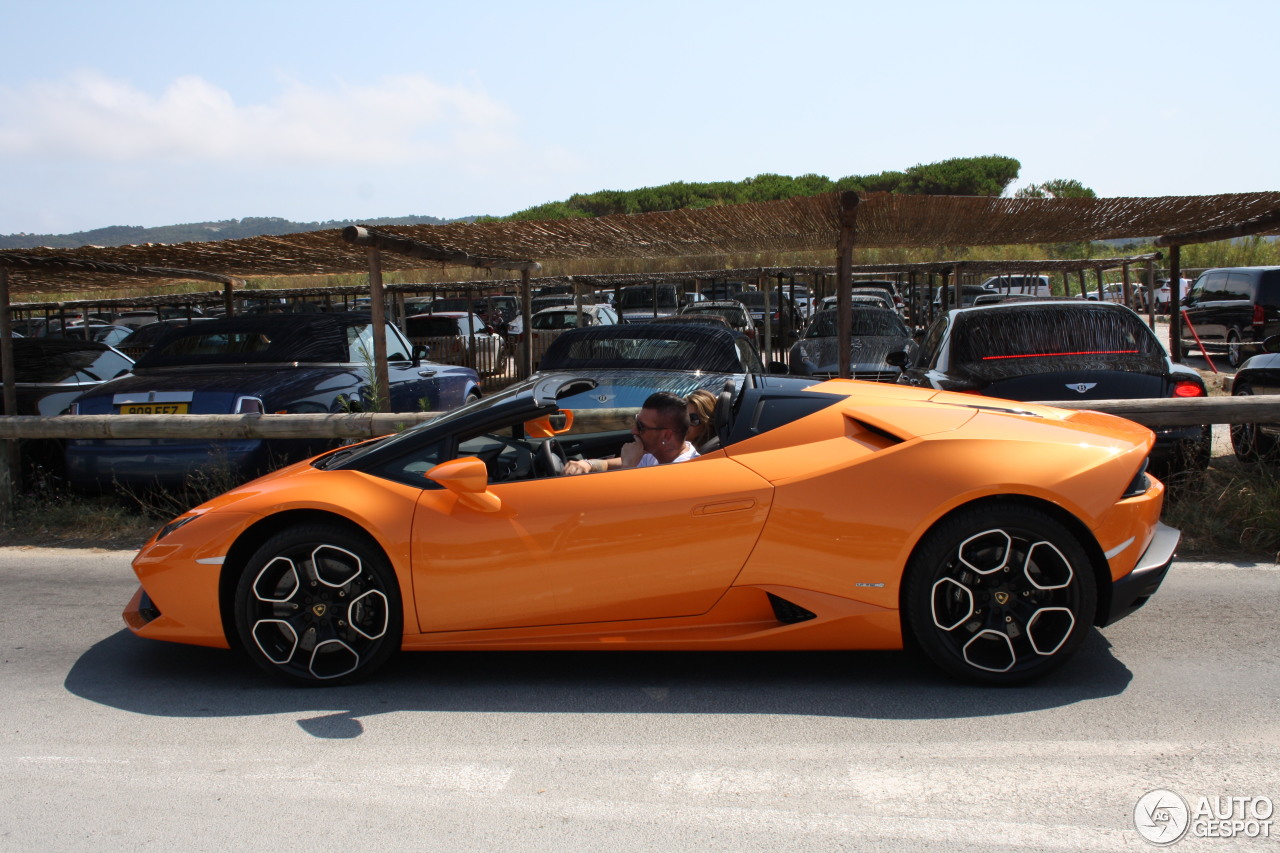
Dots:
{"x": 167, "y": 680}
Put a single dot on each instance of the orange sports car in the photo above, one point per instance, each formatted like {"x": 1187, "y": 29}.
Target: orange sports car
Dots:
{"x": 989, "y": 533}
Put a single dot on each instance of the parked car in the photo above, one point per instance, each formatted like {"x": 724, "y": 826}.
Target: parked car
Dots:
{"x": 637, "y": 301}
{"x": 1023, "y": 285}
{"x": 867, "y": 296}
{"x": 784, "y": 317}
{"x": 549, "y": 323}
{"x": 1110, "y": 293}
{"x": 876, "y": 332}
{"x": 733, "y": 312}
{"x": 889, "y": 286}
{"x": 677, "y": 347}
{"x": 842, "y": 515}
{"x": 1258, "y": 375}
{"x": 143, "y": 337}
{"x": 49, "y": 373}
{"x": 496, "y": 310}
{"x": 969, "y": 293}
{"x": 1056, "y": 350}
{"x": 266, "y": 363}
{"x": 1232, "y": 311}
{"x": 458, "y": 337}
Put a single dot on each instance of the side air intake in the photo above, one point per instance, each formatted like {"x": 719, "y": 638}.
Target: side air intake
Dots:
{"x": 788, "y": 613}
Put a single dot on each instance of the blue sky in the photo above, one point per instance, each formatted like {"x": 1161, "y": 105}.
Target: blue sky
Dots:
{"x": 155, "y": 113}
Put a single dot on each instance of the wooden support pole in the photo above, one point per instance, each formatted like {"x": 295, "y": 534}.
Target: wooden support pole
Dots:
{"x": 1175, "y": 302}
{"x": 9, "y": 452}
{"x": 844, "y": 281}
{"x": 1126, "y": 290}
{"x": 1151, "y": 294}
{"x": 381, "y": 375}
{"x": 526, "y": 338}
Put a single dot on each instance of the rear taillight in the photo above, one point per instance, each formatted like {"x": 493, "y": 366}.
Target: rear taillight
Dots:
{"x": 1259, "y": 316}
{"x": 1187, "y": 388}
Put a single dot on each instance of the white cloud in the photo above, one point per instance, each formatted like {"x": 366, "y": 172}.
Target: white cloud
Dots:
{"x": 405, "y": 119}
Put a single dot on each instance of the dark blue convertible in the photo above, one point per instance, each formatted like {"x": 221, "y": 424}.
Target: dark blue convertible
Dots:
{"x": 273, "y": 363}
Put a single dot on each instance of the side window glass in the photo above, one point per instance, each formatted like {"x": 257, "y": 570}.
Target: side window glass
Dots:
{"x": 1215, "y": 286}
{"x": 1237, "y": 286}
{"x": 397, "y": 349}
{"x": 1197, "y": 289}
{"x": 359, "y": 344}
{"x": 929, "y": 346}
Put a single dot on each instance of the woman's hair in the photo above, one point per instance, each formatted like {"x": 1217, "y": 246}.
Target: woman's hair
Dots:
{"x": 704, "y": 403}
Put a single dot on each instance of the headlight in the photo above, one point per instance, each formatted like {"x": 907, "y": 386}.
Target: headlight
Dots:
{"x": 174, "y": 525}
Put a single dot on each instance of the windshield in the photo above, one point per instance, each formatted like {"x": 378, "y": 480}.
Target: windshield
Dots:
{"x": 865, "y": 323}
{"x": 1041, "y": 338}
{"x": 642, "y": 297}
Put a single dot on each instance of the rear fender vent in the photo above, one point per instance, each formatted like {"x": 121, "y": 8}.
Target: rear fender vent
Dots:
{"x": 788, "y": 613}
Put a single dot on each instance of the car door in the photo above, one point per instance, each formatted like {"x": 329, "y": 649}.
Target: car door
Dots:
{"x": 643, "y": 543}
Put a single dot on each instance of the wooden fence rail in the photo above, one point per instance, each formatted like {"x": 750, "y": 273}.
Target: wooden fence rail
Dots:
{"x": 1153, "y": 413}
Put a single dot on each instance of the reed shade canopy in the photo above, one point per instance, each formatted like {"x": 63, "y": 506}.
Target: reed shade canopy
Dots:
{"x": 800, "y": 224}
{"x": 837, "y": 222}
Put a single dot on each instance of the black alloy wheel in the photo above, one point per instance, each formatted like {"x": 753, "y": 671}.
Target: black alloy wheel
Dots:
{"x": 1235, "y": 350}
{"x": 1249, "y": 442}
{"x": 319, "y": 604}
{"x": 999, "y": 593}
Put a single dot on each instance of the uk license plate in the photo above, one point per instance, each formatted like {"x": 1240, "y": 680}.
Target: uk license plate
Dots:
{"x": 153, "y": 409}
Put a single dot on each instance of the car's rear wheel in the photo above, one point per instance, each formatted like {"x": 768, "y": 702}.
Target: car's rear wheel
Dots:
{"x": 319, "y": 604}
{"x": 1235, "y": 352}
{"x": 999, "y": 593}
{"x": 1250, "y": 443}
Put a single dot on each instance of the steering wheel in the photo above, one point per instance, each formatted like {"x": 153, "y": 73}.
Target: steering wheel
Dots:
{"x": 551, "y": 458}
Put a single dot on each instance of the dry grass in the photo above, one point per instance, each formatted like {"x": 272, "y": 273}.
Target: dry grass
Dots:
{"x": 65, "y": 521}
{"x": 1229, "y": 511}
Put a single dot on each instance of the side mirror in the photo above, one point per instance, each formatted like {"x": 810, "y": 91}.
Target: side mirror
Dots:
{"x": 550, "y": 425}
{"x": 469, "y": 480}
{"x": 421, "y": 352}
{"x": 779, "y": 367}
{"x": 1271, "y": 344}
{"x": 897, "y": 358}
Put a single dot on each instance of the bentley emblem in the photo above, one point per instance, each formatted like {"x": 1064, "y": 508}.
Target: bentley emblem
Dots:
{"x": 1002, "y": 598}
{"x": 1081, "y": 387}
{"x": 319, "y": 610}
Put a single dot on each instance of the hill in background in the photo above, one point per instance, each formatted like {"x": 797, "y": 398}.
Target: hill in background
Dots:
{"x": 989, "y": 175}
{"x": 196, "y": 232}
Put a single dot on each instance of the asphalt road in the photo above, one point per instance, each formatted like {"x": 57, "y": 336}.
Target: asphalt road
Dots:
{"x": 108, "y": 742}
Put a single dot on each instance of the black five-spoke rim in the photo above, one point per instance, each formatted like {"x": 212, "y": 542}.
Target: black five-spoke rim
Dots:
{"x": 1005, "y": 600}
{"x": 317, "y": 612}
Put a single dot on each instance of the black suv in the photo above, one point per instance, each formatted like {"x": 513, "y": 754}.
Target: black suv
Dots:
{"x": 1232, "y": 310}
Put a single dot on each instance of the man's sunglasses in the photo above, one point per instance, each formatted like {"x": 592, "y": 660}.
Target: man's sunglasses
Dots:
{"x": 642, "y": 428}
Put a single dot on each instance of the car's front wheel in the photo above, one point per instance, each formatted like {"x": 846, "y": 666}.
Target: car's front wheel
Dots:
{"x": 999, "y": 593}
{"x": 319, "y": 604}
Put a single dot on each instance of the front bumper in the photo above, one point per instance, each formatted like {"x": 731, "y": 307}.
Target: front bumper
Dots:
{"x": 1132, "y": 591}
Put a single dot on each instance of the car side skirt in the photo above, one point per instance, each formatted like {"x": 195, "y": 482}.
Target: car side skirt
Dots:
{"x": 749, "y": 618}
